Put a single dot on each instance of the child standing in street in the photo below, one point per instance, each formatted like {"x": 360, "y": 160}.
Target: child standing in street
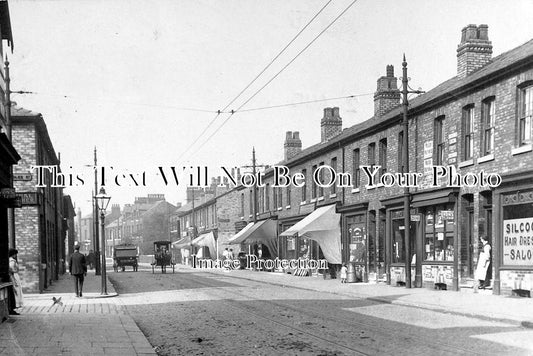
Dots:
{"x": 344, "y": 272}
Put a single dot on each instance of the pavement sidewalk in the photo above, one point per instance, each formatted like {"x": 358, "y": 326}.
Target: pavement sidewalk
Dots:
{"x": 484, "y": 305}
{"x": 94, "y": 324}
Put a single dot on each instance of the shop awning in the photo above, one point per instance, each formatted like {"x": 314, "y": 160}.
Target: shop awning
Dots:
{"x": 263, "y": 232}
{"x": 323, "y": 226}
{"x": 208, "y": 240}
{"x": 241, "y": 235}
{"x": 183, "y": 243}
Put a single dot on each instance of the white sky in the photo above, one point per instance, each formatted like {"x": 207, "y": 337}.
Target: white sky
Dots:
{"x": 126, "y": 66}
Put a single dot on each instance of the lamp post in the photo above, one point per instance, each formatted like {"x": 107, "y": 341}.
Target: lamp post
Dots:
{"x": 102, "y": 201}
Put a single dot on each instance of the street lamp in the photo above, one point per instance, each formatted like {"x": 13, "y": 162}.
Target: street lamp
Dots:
{"x": 102, "y": 201}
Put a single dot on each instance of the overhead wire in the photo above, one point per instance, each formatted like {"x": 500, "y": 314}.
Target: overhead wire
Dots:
{"x": 253, "y": 80}
{"x": 276, "y": 75}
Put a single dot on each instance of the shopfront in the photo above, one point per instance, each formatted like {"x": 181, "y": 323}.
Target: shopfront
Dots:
{"x": 513, "y": 243}
{"x": 433, "y": 239}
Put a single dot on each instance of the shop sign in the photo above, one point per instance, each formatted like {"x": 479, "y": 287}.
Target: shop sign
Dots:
{"x": 7, "y": 193}
{"x": 447, "y": 214}
{"x": 28, "y": 198}
{"x": 415, "y": 217}
{"x": 518, "y": 242}
{"x": 22, "y": 176}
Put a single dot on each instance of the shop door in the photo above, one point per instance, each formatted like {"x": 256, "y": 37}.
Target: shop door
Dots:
{"x": 357, "y": 240}
{"x": 471, "y": 244}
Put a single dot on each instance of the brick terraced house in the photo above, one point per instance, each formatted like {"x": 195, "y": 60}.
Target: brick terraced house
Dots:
{"x": 477, "y": 125}
{"x": 39, "y": 223}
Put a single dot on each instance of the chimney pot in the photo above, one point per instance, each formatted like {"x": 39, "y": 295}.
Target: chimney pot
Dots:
{"x": 483, "y": 31}
{"x": 471, "y": 32}
{"x": 288, "y": 135}
{"x": 390, "y": 71}
{"x": 296, "y": 135}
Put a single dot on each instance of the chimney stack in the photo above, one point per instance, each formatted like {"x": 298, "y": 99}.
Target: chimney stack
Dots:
{"x": 331, "y": 124}
{"x": 387, "y": 95}
{"x": 474, "y": 51}
{"x": 292, "y": 145}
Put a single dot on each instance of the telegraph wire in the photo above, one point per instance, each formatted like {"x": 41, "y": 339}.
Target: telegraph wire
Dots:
{"x": 253, "y": 81}
{"x": 114, "y": 101}
{"x": 211, "y": 111}
{"x": 300, "y": 103}
{"x": 275, "y": 76}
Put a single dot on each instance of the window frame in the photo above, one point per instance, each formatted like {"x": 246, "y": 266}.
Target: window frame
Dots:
{"x": 467, "y": 121}
{"x": 525, "y": 118}
{"x": 488, "y": 122}
{"x": 438, "y": 139}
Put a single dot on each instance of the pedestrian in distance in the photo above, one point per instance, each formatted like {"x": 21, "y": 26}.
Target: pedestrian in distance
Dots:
{"x": 78, "y": 268}
{"x": 225, "y": 254}
{"x": 231, "y": 256}
{"x": 15, "y": 280}
{"x": 91, "y": 259}
{"x": 482, "y": 274}
{"x": 344, "y": 273}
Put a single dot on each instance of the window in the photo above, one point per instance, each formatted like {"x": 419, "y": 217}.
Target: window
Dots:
{"x": 280, "y": 197}
{"x": 275, "y": 196}
{"x": 383, "y": 155}
{"x": 334, "y": 166}
{"x": 400, "y": 152}
{"x": 438, "y": 134}
{"x": 251, "y": 202}
{"x": 372, "y": 154}
{"x": 313, "y": 191}
{"x": 267, "y": 197}
{"x": 304, "y": 188}
{"x": 356, "y": 168}
{"x": 288, "y": 191}
{"x": 525, "y": 111}
{"x": 321, "y": 180}
{"x": 261, "y": 203}
{"x": 487, "y": 134}
{"x": 468, "y": 132}
{"x": 438, "y": 234}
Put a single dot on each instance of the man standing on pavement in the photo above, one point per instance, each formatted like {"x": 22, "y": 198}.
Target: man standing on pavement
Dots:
{"x": 78, "y": 268}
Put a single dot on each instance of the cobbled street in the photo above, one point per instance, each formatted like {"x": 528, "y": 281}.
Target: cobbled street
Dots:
{"x": 194, "y": 312}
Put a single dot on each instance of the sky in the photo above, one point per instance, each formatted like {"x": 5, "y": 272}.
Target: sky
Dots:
{"x": 142, "y": 80}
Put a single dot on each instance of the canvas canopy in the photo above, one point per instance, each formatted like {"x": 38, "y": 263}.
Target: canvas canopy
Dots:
{"x": 263, "y": 232}
{"x": 323, "y": 226}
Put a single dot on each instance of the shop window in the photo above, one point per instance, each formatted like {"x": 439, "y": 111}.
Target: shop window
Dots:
{"x": 438, "y": 239}
{"x": 357, "y": 238}
{"x": 468, "y": 132}
{"x": 525, "y": 112}
{"x": 487, "y": 121}
{"x": 356, "y": 168}
{"x": 398, "y": 241}
{"x": 438, "y": 139}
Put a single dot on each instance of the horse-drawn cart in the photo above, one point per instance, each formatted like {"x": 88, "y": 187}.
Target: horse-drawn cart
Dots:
{"x": 125, "y": 255}
{"x": 163, "y": 257}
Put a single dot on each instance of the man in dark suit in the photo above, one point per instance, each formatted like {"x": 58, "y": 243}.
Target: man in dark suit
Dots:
{"x": 78, "y": 268}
